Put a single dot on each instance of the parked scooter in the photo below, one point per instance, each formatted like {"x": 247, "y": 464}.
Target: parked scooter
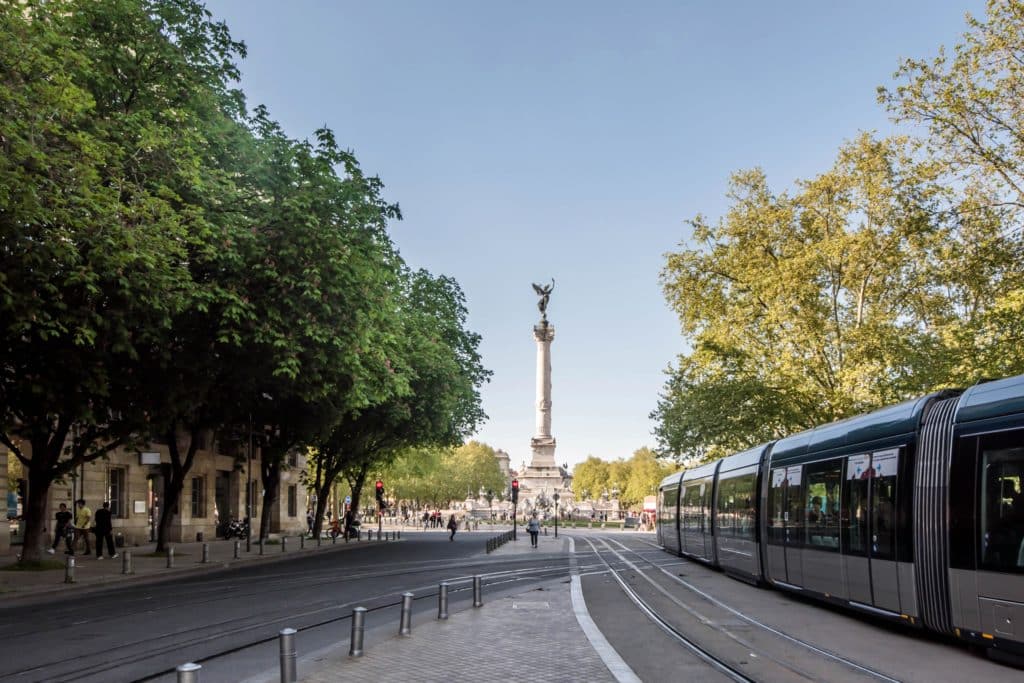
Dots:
{"x": 238, "y": 528}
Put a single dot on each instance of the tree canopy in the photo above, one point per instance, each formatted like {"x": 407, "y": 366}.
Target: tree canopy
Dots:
{"x": 174, "y": 266}
{"x": 896, "y": 272}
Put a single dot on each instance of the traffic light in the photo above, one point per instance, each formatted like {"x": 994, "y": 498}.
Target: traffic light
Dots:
{"x": 380, "y": 494}
{"x": 515, "y": 491}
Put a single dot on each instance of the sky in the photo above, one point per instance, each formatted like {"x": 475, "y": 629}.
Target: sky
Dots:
{"x": 532, "y": 140}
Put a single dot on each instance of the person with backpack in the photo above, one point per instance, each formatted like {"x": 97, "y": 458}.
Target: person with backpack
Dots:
{"x": 452, "y": 527}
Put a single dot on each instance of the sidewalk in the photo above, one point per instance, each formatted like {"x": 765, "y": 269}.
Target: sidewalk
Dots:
{"x": 533, "y": 636}
{"x": 93, "y": 574}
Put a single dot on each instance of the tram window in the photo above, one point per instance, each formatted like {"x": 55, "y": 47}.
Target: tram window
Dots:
{"x": 692, "y": 514}
{"x": 776, "y": 501}
{"x": 854, "y": 521}
{"x": 884, "y": 467}
{"x": 1001, "y": 503}
{"x": 743, "y": 511}
{"x": 822, "y": 496}
{"x": 725, "y": 512}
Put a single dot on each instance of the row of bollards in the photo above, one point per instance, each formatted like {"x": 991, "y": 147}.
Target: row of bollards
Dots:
{"x": 189, "y": 673}
{"x": 497, "y": 541}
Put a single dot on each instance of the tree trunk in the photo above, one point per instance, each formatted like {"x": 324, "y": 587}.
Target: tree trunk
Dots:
{"x": 357, "y": 487}
{"x": 323, "y": 492}
{"x": 270, "y": 474}
{"x": 174, "y": 482}
{"x": 46, "y": 450}
{"x": 172, "y": 496}
{"x": 34, "y": 514}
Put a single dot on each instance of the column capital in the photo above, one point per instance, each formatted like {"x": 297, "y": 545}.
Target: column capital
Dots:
{"x": 543, "y": 333}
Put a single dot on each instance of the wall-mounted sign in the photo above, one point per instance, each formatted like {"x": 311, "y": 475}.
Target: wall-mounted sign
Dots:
{"x": 140, "y": 507}
{"x": 149, "y": 458}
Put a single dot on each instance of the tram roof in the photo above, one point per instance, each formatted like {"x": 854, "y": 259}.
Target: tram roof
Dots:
{"x": 991, "y": 399}
{"x": 888, "y": 422}
{"x": 671, "y": 480}
{"x": 751, "y": 456}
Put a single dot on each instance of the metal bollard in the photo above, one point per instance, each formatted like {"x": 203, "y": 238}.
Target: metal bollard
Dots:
{"x": 318, "y": 539}
{"x": 126, "y": 563}
{"x": 478, "y": 600}
{"x": 206, "y": 553}
{"x": 69, "y": 570}
{"x": 358, "y": 619}
{"x": 284, "y": 544}
{"x": 289, "y": 672}
{"x": 170, "y": 557}
{"x": 261, "y": 546}
{"x": 442, "y": 601}
{"x": 248, "y": 543}
{"x": 188, "y": 673}
{"x": 302, "y": 542}
{"x": 237, "y": 546}
{"x": 405, "y": 624}
{"x": 334, "y": 539}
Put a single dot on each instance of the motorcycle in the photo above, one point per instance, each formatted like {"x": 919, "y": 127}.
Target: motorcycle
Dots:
{"x": 238, "y": 528}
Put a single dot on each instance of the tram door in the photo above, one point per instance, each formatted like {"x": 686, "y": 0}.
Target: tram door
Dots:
{"x": 869, "y": 536}
{"x": 785, "y": 501}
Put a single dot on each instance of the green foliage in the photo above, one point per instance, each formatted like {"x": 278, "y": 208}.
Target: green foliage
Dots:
{"x": 172, "y": 266}
{"x": 896, "y": 272}
{"x": 437, "y": 476}
{"x": 632, "y": 479}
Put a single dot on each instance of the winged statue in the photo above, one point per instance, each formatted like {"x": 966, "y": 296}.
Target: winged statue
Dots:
{"x": 544, "y": 293}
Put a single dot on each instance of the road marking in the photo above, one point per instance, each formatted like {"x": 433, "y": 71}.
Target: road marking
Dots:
{"x": 616, "y": 665}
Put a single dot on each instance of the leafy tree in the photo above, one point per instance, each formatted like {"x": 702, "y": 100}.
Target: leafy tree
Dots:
{"x": 590, "y": 478}
{"x": 100, "y": 137}
{"x": 805, "y": 309}
{"x": 474, "y": 467}
{"x": 969, "y": 102}
{"x": 645, "y": 473}
{"x": 438, "y": 359}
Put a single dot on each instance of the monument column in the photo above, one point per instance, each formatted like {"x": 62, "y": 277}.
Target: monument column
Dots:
{"x": 543, "y": 334}
{"x": 543, "y": 444}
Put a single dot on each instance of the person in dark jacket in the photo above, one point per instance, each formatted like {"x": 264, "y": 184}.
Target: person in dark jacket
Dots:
{"x": 104, "y": 529}
{"x": 63, "y": 530}
{"x": 452, "y": 526}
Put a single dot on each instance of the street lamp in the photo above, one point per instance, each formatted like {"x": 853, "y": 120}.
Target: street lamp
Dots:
{"x": 555, "y": 496}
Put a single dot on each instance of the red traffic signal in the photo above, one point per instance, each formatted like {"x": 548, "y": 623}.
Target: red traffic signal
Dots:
{"x": 515, "y": 491}
{"x": 515, "y": 484}
{"x": 380, "y": 485}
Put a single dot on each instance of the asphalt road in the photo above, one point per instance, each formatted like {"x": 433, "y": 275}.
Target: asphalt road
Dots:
{"x": 144, "y": 631}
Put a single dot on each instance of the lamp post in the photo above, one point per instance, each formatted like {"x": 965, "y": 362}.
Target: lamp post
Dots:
{"x": 555, "y": 497}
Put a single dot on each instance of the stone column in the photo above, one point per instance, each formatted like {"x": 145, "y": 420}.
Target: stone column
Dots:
{"x": 543, "y": 444}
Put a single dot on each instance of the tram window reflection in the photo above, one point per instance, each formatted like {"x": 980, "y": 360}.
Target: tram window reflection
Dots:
{"x": 1002, "y": 503}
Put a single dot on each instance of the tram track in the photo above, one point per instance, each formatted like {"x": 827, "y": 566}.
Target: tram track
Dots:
{"x": 251, "y": 630}
{"x": 792, "y": 658}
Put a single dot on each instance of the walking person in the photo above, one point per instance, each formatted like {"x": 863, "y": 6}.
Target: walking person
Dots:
{"x": 104, "y": 530}
{"x": 533, "y": 526}
{"x": 83, "y": 515}
{"x": 309, "y": 522}
{"x": 62, "y": 530}
{"x": 452, "y": 527}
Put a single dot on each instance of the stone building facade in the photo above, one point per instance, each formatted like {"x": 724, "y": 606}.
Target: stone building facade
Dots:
{"x": 213, "y": 494}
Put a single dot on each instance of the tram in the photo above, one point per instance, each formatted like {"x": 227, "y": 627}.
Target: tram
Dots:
{"x": 913, "y": 513}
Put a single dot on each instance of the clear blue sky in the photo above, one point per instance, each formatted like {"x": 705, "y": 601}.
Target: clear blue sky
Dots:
{"x": 531, "y": 140}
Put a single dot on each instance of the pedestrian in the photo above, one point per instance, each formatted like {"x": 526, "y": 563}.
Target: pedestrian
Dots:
{"x": 533, "y": 526}
{"x": 452, "y": 526}
{"x": 104, "y": 530}
{"x": 62, "y": 530}
{"x": 309, "y": 522}
{"x": 83, "y": 515}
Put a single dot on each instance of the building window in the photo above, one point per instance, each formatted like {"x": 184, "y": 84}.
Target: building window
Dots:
{"x": 198, "y": 497}
{"x": 293, "y": 501}
{"x": 117, "y": 491}
{"x": 293, "y": 459}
